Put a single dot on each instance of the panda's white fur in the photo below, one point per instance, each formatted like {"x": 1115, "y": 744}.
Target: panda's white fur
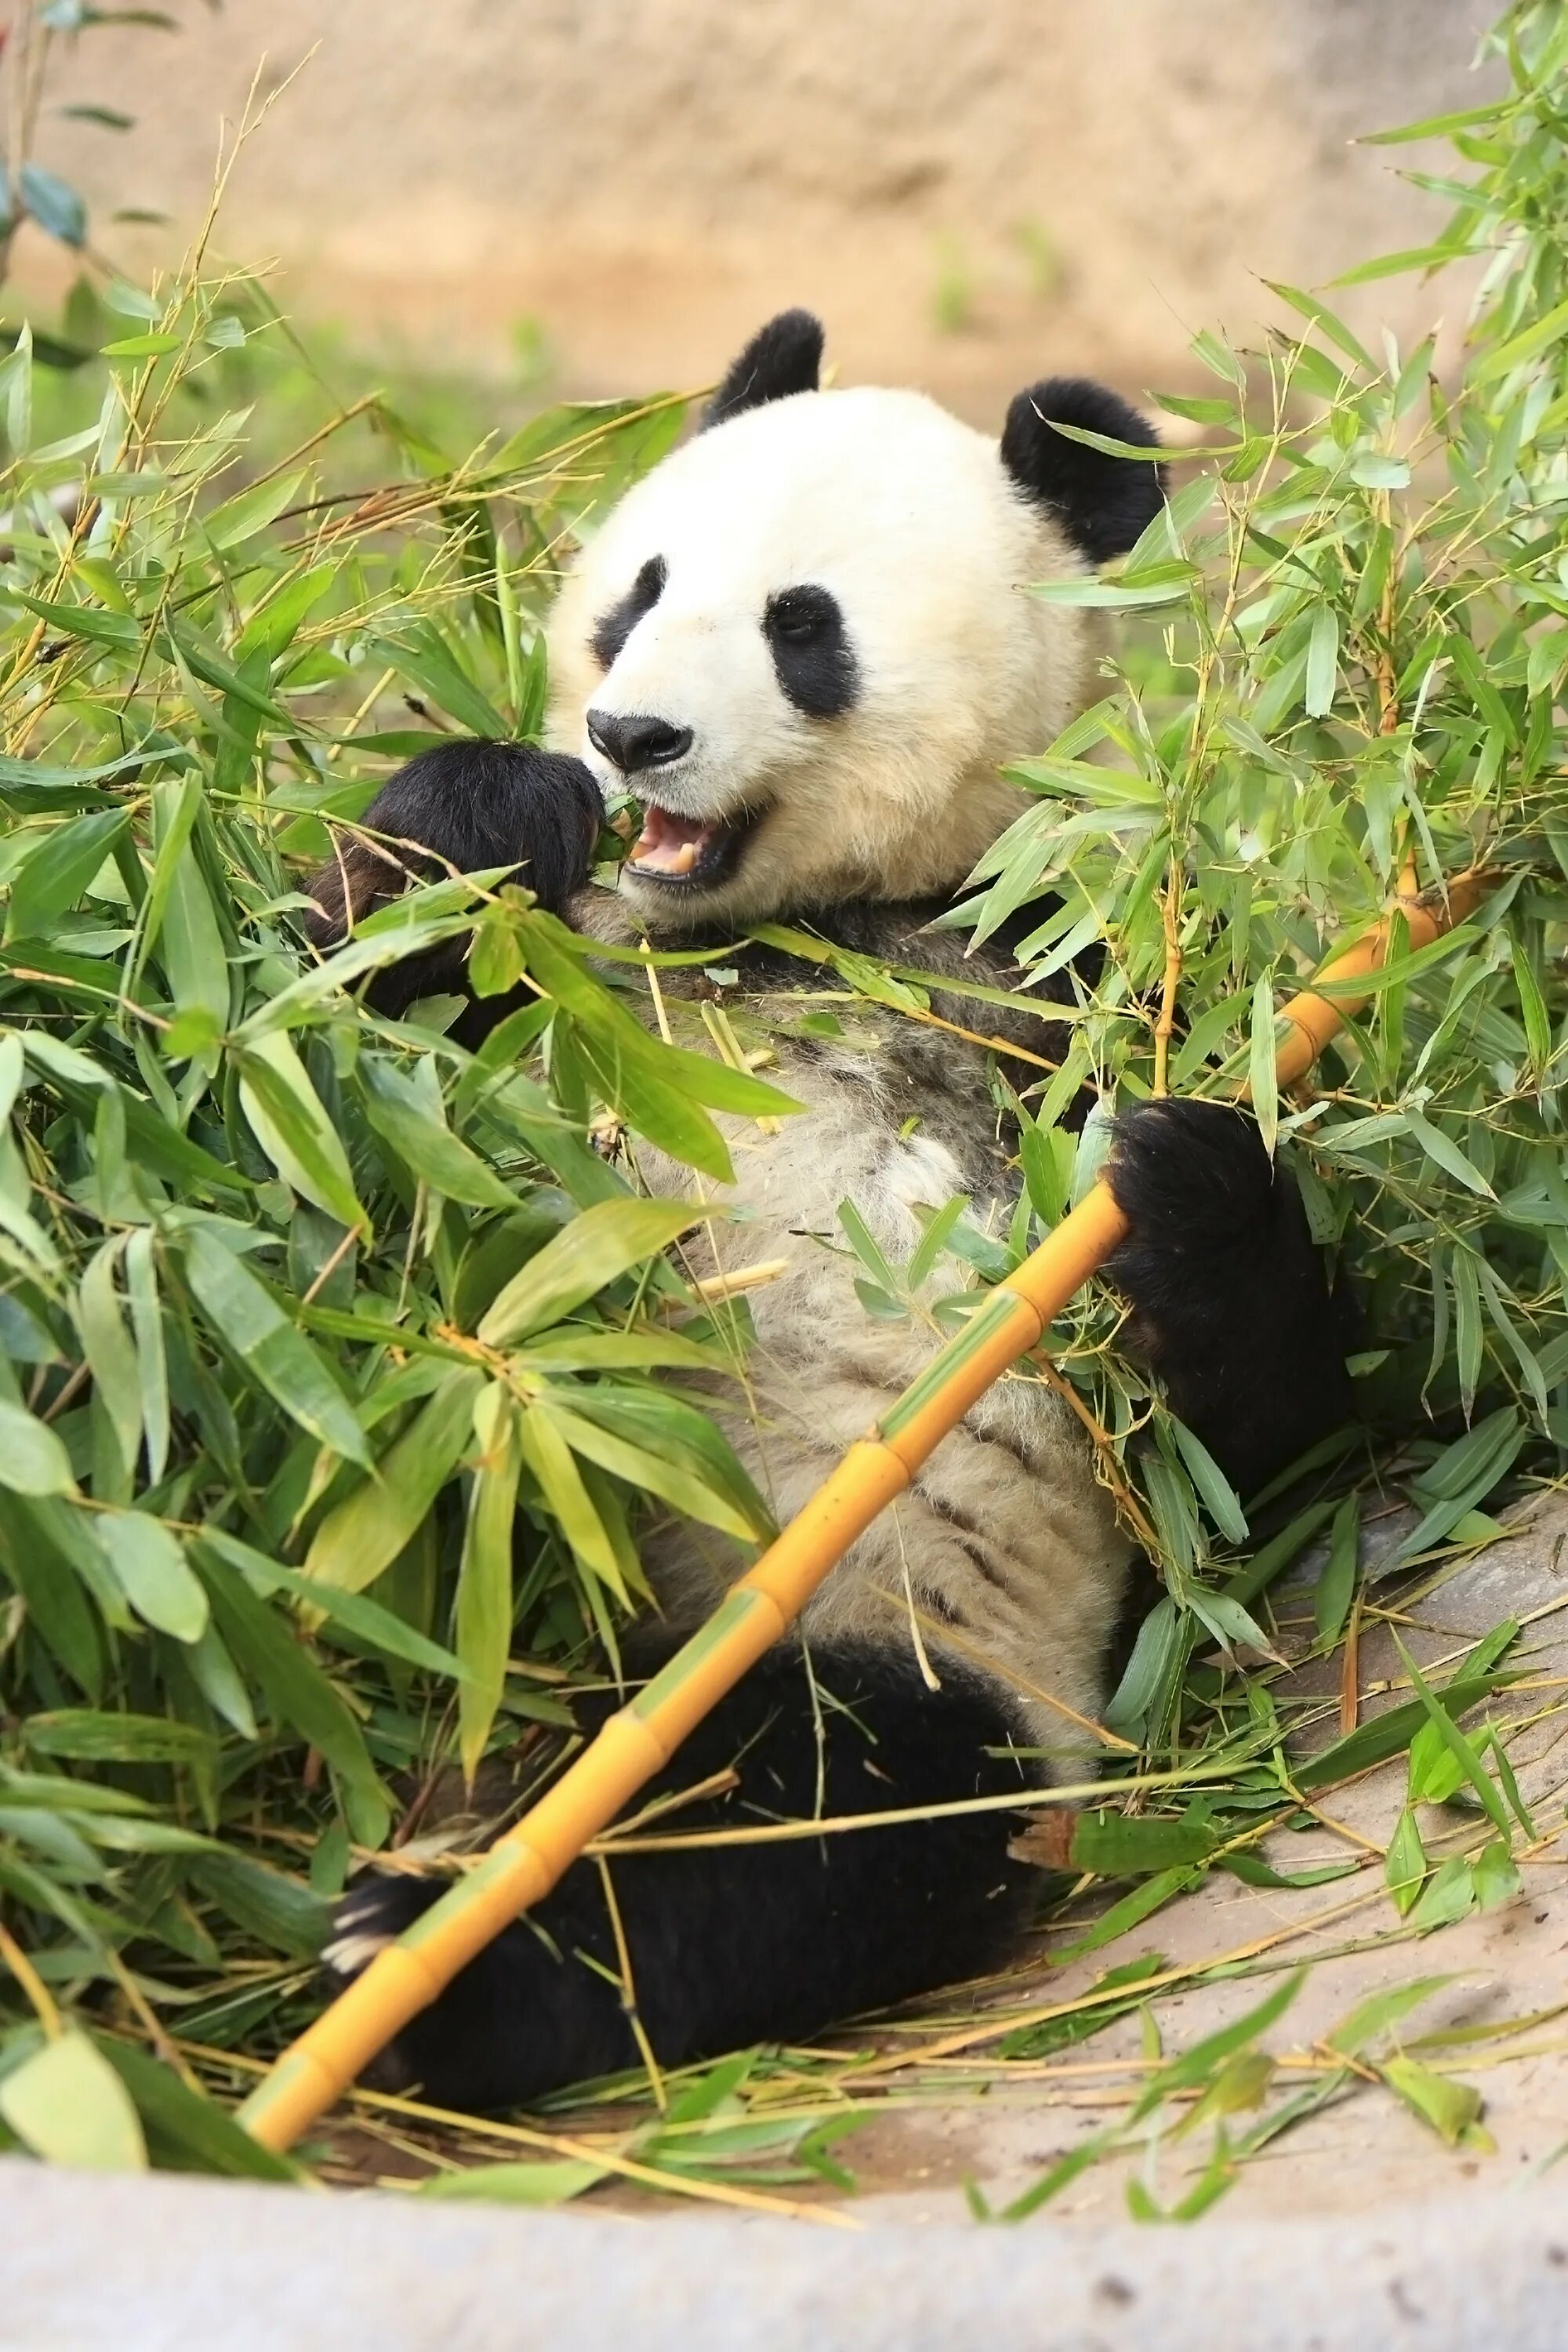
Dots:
{"x": 910, "y": 520}
{"x": 957, "y": 1646}
{"x": 1005, "y": 1551}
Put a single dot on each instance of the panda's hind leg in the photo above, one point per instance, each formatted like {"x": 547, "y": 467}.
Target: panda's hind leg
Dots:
{"x": 730, "y": 1944}
{"x": 1231, "y": 1305}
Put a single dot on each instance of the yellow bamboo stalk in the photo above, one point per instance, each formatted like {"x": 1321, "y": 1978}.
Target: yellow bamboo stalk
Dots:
{"x": 640, "y": 1739}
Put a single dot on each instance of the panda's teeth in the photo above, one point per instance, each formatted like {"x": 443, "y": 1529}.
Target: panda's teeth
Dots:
{"x": 670, "y": 845}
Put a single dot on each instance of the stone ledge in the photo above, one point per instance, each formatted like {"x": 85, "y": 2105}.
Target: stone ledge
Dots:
{"x": 161, "y": 2264}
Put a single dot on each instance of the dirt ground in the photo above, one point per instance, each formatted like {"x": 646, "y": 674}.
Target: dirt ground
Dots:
{"x": 973, "y": 195}
{"x": 1510, "y": 1964}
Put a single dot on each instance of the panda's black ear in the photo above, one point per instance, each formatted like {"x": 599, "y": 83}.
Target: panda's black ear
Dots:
{"x": 1104, "y": 503}
{"x": 783, "y": 357}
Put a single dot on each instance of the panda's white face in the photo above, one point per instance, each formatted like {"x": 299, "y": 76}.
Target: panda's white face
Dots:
{"x": 802, "y": 643}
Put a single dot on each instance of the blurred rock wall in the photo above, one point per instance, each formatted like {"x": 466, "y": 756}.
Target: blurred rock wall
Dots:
{"x": 973, "y": 191}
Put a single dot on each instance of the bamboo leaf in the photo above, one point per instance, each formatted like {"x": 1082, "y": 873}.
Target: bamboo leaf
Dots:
{"x": 1198, "y": 2063}
{"x": 53, "y": 876}
{"x": 424, "y": 1144}
{"x": 1335, "y": 1587}
{"x": 484, "y": 1604}
{"x": 1453, "y": 2109}
{"x": 1388, "y": 1735}
{"x": 1532, "y": 1008}
{"x": 1262, "y": 1085}
{"x": 1215, "y": 1492}
{"x": 597, "y": 1247}
{"x": 288, "y": 1121}
{"x": 1379, "y": 2014}
{"x": 545, "y": 2181}
{"x": 1406, "y": 1865}
{"x": 68, "y": 2105}
{"x": 150, "y": 1562}
{"x": 548, "y": 1454}
{"x": 244, "y": 1317}
{"x": 152, "y": 1361}
{"x": 364, "y": 1534}
{"x": 682, "y": 1483}
{"x": 32, "y": 1459}
{"x": 1542, "y": 335}
{"x": 1447, "y": 1154}
{"x": 185, "y": 2131}
{"x": 239, "y": 519}
{"x": 1467, "y": 1335}
{"x": 1322, "y": 663}
{"x": 96, "y": 1736}
{"x": 1458, "y": 1747}
{"x": 301, "y": 1697}
{"x": 1107, "y": 594}
{"x": 110, "y": 1356}
{"x": 423, "y": 656}
{"x": 365, "y": 1621}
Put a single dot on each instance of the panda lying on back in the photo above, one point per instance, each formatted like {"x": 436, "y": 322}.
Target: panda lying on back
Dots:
{"x": 802, "y": 642}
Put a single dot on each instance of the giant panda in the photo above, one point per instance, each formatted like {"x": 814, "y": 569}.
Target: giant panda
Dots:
{"x": 801, "y": 644}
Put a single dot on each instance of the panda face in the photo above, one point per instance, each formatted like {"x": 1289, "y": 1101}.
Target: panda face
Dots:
{"x": 802, "y": 643}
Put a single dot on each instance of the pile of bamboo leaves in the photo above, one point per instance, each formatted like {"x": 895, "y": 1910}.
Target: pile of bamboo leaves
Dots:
{"x": 328, "y": 1349}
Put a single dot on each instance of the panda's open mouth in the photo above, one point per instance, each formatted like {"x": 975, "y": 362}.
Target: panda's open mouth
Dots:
{"x": 686, "y": 852}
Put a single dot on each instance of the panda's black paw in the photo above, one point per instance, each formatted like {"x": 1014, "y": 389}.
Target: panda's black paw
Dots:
{"x": 526, "y": 2013}
{"x": 1192, "y": 1178}
{"x": 374, "y": 1912}
{"x": 461, "y": 808}
{"x": 1230, "y": 1306}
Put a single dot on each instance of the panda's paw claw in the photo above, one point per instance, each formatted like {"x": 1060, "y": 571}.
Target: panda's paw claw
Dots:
{"x": 374, "y": 1912}
{"x": 1192, "y": 1177}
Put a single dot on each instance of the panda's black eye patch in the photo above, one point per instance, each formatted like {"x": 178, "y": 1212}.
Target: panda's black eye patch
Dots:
{"x": 813, "y": 657}
{"x": 614, "y": 626}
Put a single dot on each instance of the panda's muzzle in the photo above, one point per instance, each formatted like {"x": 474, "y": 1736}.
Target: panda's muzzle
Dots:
{"x": 686, "y": 852}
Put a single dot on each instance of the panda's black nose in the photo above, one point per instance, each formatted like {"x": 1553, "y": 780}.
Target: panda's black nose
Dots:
{"x": 635, "y": 743}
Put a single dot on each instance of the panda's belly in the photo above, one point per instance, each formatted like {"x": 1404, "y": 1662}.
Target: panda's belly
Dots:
{"x": 1006, "y": 1551}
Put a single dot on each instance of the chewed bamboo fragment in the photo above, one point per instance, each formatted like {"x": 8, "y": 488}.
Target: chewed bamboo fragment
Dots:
{"x": 640, "y": 1739}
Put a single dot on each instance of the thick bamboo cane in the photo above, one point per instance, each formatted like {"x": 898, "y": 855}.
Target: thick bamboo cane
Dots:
{"x": 636, "y": 1743}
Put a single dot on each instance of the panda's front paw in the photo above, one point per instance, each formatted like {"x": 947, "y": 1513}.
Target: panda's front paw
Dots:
{"x": 1193, "y": 1178}
{"x": 461, "y": 807}
{"x": 537, "y": 2007}
{"x": 1230, "y": 1307}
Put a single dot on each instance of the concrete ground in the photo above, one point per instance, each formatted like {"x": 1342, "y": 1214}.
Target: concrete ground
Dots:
{"x": 160, "y": 2266}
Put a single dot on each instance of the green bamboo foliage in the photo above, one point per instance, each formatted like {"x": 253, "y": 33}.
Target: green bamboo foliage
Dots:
{"x": 331, "y": 1351}
{"x": 1343, "y": 661}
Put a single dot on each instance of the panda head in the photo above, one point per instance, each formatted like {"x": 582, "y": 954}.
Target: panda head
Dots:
{"x": 803, "y": 641}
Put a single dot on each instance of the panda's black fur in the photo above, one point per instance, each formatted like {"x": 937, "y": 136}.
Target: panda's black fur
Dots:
{"x": 718, "y": 1937}
{"x": 775, "y": 1939}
